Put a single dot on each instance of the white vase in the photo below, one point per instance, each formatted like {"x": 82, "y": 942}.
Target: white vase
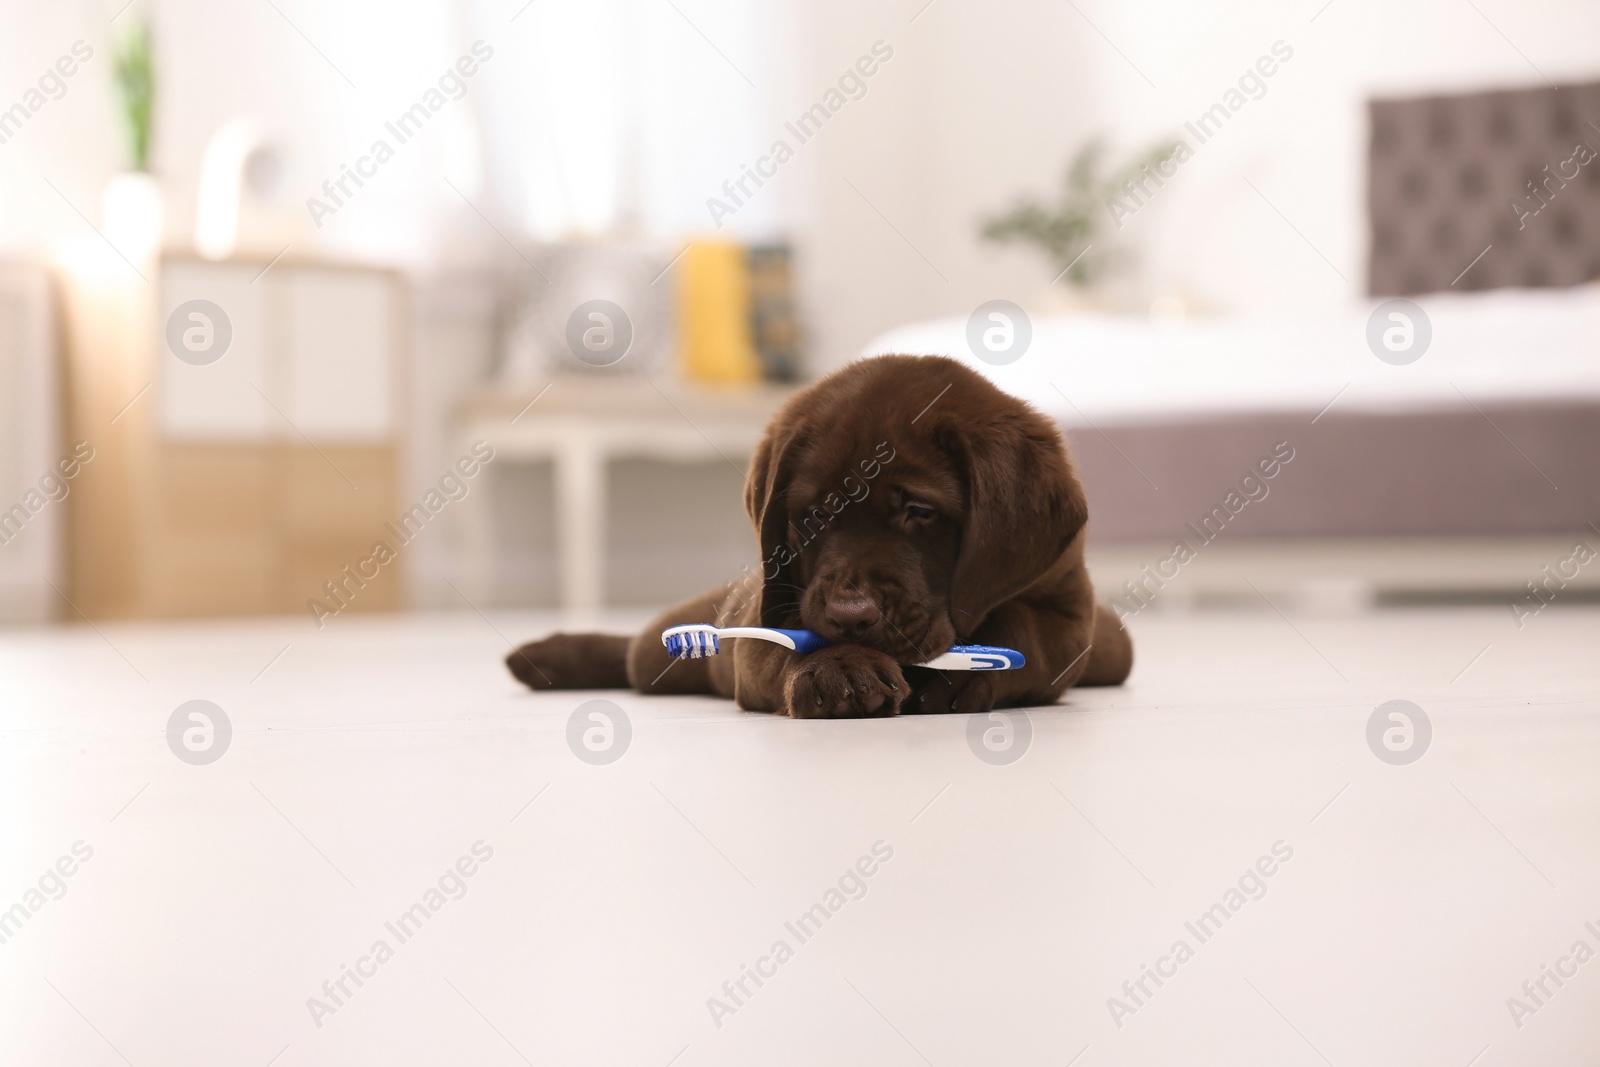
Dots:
{"x": 131, "y": 211}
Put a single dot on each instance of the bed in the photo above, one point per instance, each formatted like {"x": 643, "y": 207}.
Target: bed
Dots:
{"x": 1453, "y": 475}
{"x": 1462, "y": 474}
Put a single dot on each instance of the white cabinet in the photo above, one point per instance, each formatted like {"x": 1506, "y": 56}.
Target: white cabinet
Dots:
{"x": 217, "y": 400}
{"x": 339, "y": 340}
{"x": 312, "y": 353}
{"x": 264, "y": 459}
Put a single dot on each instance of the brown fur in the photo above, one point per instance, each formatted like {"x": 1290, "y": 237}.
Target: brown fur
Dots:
{"x": 903, "y": 504}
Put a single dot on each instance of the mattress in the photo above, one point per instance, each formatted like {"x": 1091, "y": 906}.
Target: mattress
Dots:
{"x": 1494, "y": 429}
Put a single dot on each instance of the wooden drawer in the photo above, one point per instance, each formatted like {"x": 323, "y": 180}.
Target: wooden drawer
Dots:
{"x": 241, "y": 484}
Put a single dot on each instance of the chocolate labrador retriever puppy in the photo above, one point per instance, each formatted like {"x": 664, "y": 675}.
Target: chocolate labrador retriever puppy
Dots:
{"x": 904, "y": 504}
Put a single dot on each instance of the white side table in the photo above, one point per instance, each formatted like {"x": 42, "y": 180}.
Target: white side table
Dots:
{"x": 582, "y": 423}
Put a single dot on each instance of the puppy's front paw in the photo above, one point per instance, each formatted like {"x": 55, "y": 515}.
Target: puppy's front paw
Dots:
{"x": 844, "y": 682}
{"x": 940, "y": 692}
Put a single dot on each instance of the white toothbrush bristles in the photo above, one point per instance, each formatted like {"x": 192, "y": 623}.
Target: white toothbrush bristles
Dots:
{"x": 693, "y": 644}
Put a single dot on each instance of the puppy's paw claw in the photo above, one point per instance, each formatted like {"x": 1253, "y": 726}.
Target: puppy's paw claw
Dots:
{"x": 844, "y": 682}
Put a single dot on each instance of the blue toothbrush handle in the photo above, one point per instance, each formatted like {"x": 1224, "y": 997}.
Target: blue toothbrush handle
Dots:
{"x": 977, "y": 657}
{"x": 988, "y": 657}
{"x": 805, "y": 641}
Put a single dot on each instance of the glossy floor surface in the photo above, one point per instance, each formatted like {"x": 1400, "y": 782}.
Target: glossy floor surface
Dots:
{"x": 370, "y": 846}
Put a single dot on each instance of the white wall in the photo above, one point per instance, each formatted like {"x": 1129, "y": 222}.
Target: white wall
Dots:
{"x": 69, "y": 141}
{"x": 219, "y": 61}
{"x": 977, "y": 102}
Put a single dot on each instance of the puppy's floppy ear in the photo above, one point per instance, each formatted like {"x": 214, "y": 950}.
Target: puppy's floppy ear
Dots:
{"x": 766, "y": 491}
{"x": 1024, "y": 507}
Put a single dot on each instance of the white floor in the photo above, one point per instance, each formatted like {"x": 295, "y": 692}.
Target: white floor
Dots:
{"x": 371, "y": 756}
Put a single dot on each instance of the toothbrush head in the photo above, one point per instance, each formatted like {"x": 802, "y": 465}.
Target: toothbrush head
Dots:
{"x": 691, "y": 644}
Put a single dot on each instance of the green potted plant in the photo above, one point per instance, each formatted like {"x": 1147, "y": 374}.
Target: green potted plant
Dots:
{"x": 1071, "y": 230}
{"x": 131, "y": 205}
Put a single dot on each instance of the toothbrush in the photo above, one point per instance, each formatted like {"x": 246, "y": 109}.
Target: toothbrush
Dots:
{"x": 698, "y": 640}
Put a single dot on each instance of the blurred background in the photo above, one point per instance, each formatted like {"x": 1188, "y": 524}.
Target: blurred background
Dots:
{"x": 507, "y": 288}
{"x": 344, "y": 344}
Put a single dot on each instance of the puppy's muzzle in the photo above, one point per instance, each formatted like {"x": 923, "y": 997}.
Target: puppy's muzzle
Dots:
{"x": 851, "y": 614}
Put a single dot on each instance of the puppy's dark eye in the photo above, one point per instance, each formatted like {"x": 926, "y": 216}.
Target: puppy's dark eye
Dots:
{"x": 919, "y": 512}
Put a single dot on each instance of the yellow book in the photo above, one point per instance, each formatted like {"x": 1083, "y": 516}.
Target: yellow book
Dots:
{"x": 714, "y": 321}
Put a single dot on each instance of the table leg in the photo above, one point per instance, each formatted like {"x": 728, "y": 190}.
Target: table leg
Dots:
{"x": 477, "y": 529}
{"x": 580, "y": 518}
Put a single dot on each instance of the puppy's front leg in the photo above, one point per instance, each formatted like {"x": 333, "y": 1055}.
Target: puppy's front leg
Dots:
{"x": 838, "y": 682}
{"x": 1054, "y": 641}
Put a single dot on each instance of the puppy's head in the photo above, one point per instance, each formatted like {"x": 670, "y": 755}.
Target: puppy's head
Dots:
{"x": 902, "y": 499}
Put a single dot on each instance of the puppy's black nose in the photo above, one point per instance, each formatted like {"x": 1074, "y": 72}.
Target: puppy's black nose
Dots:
{"x": 853, "y": 613}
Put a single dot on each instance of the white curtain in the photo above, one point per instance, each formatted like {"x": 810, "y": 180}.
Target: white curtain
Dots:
{"x": 623, "y": 117}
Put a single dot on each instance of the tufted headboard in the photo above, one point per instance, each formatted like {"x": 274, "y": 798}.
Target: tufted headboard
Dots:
{"x": 1449, "y": 176}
